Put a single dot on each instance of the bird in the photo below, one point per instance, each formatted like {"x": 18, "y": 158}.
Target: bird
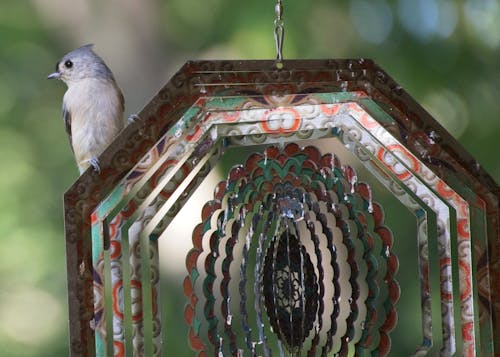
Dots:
{"x": 92, "y": 106}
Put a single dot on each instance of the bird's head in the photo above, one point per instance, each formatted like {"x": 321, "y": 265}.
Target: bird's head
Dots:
{"x": 80, "y": 64}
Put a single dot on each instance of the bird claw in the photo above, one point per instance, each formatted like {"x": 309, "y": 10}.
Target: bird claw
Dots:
{"x": 94, "y": 162}
{"x": 133, "y": 118}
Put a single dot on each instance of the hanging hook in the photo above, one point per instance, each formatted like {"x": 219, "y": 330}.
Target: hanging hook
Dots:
{"x": 279, "y": 32}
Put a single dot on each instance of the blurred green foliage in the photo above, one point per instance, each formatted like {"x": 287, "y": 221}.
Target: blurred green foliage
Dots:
{"x": 444, "y": 53}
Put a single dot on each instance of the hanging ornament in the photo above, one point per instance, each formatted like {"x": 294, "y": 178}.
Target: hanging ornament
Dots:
{"x": 290, "y": 289}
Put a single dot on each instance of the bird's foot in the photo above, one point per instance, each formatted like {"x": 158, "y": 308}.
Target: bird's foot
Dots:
{"x": 133, "y": 118}
{"x": 94, "y": 162}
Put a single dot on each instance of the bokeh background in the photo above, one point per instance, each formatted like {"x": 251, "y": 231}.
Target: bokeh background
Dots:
{"x": 445, "y": 53}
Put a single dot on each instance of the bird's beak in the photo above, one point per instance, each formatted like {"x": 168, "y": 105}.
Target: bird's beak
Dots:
{"x": 55, "y": 75}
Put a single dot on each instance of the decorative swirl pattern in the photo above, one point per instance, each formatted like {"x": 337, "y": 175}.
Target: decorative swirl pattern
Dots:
{"x": 286, "y": 240}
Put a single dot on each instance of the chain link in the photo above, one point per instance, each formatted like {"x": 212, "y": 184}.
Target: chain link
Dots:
{"x": 279, "y": 30}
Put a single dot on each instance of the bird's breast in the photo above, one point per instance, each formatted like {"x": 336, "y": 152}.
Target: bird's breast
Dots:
{"x": 96, "y": 116}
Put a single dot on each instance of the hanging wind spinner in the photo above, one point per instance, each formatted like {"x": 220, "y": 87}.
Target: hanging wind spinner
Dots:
{"x": 292, "y": 255}
{"x": 290, "y": 264}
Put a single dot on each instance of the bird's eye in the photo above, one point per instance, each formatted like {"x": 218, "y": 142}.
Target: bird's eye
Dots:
{"x": 68, "y": 64}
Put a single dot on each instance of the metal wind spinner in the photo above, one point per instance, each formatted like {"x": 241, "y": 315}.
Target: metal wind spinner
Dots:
{"x": 295, "y": 227}
{"x": 292, "y": 256}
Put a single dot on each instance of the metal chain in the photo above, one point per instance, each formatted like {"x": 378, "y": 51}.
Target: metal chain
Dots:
{"x": 279, "y": 30}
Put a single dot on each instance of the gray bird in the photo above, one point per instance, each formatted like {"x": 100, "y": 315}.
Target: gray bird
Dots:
{"x": 92, "y": 106}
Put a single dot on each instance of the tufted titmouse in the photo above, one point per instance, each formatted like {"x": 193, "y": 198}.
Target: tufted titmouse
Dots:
{"x": 92, "y": 106}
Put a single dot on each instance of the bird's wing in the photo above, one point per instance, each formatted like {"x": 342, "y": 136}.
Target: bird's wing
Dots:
{"x": 67, "y": 124}
{"x": 122, "y": 100}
